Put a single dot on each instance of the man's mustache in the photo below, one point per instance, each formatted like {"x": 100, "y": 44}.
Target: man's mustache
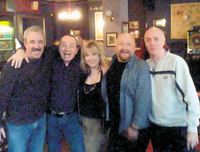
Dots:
{"x": 35, "y": 49}
{"x": 124, "y": 50}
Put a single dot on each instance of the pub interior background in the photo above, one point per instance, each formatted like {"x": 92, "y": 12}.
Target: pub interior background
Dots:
{"x": 133, "y": 16}
{"x": 125, "y": 13}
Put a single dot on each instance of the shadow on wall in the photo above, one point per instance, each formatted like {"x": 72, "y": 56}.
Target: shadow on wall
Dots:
{"x": 179, "y": 48}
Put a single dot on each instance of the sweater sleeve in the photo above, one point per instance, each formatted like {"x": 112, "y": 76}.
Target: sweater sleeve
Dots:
{"x": 187, "y": 93}
{"x": 7, "y": 81}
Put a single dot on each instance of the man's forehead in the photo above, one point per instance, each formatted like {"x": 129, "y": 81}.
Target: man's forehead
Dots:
{"x": 126, "y": 38}
{"x": 125, "y": 41}
{"x": 154, "y": 32}
{"x": 68, "y": 39}
{"x": 33, "y": 33}
{"x": 152, "y": 35}
{"x": 68, "y": 42}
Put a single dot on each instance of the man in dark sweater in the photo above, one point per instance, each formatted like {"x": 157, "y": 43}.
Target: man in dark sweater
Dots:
{"x": 63, "y": 117}
{"x": 23, "y": 95}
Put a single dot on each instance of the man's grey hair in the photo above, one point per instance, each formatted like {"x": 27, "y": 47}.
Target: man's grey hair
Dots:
{"x": 35, "y": 29}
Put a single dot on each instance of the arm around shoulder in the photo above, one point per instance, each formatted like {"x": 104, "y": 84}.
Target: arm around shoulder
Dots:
{"x": 18, "y": 58}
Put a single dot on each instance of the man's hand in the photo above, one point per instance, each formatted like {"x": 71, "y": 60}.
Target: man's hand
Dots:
{"x": 132, "y": 134}
{"x": 192, "y": 140}
{"x": 2, "y": 134}
{"x": 18, "y": 57}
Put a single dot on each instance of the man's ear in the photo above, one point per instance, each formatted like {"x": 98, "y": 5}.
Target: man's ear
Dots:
{"x": 164, "y": 41}
{"x": 25, "y": 43}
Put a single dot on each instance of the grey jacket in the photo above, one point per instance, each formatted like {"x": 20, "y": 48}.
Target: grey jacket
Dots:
{"x": 135, "y": 94}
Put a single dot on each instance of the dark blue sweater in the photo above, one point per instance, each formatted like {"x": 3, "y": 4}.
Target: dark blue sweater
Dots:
{"x": 24, "y": 92}
{"x": 65, "y": 80}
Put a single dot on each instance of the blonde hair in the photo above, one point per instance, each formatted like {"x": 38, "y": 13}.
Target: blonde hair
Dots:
{"x": 35, "y": 29}
{"x": 94, "y": 47}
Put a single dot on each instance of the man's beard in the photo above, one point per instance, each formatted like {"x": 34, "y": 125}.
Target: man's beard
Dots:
{"x": 127, "y": 53}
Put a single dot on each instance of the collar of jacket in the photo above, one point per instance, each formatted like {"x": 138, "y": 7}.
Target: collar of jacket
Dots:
{"x": 132, "y": 60}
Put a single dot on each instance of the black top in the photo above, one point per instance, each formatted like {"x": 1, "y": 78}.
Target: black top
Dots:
{"x": 90, "y": 100}
{"x": 24, "y": 92}
{"x": 65, "y": 80}
{"x": 113, "y": 79}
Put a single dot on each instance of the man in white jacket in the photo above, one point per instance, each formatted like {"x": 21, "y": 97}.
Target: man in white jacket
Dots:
{"x": 175, "y": 112}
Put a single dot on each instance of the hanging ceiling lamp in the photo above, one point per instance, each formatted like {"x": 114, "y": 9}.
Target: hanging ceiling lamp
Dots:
{"x": 69, "y": 14}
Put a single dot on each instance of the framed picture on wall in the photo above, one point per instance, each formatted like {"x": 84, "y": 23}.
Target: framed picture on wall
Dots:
{"x": 183, "y": 17}
{"x": 75, "y": 32}
{"x": 124, "y": 27}
{"x": 135, "y": 33}
{"x": 111, "y": 39}
{"x": 133, "y": 24}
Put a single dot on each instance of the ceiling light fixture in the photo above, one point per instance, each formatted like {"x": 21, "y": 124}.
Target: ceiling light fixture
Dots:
{"x": 69, "y": 14}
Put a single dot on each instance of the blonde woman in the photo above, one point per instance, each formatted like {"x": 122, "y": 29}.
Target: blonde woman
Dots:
{"x": 94, "y": 64}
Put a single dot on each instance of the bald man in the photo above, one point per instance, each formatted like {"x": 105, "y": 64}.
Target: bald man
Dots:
{"x": 175, "y": 110}
{"x": 126, "y": 89}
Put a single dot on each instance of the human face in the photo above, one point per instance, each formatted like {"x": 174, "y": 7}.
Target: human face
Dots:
{"x": 154, "y": 41}
{"x": 34, "y": 44}
{"x": 92, "y": 59}
{"x": 125, "y": 47}
{"x": 68, "y": 49}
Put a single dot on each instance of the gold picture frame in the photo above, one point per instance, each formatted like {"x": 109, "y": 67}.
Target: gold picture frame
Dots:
{"x": 133, "y": 25}
{"x": 111, "y": 39}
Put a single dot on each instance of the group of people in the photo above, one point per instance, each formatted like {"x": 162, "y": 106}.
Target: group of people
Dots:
{"x": 95, "y": 104}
